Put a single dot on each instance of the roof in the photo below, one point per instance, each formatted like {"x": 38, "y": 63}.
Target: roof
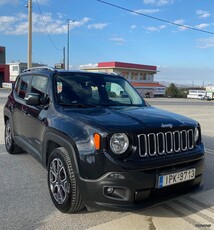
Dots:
{"x": 126, "y": 65}
{"x": 139, "y": 84}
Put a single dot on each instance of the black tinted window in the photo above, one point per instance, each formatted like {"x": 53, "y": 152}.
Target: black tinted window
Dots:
{"x": 23, "y": 84}
{"x": 95, "y": 89}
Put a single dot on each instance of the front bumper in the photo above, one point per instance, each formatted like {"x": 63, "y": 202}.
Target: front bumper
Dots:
{"x": 134, "y": 188}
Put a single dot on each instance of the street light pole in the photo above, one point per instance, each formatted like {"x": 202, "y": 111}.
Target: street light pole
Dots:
{"x": 29, "y": 64}
{"x": 64, "y": 57}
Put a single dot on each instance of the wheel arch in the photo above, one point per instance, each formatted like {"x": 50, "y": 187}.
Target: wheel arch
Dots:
{"x": 7, "y": 115}
{"x": 56, "y": 140}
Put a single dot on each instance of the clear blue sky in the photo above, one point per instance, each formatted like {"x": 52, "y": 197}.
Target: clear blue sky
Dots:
{"x": 105, "y": 33}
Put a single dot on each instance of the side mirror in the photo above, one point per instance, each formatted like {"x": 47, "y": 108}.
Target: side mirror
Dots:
{"x": 32, "y": 99}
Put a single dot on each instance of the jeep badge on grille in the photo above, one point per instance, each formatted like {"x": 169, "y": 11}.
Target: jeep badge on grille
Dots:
{"x": 166, "y": 126}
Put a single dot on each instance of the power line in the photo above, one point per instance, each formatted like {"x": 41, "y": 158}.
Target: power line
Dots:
{"x": 155, "y": 18}
{"x": 46, "y": 27}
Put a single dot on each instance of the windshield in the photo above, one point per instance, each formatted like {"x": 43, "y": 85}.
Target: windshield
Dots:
{"x": 91, "y": 89}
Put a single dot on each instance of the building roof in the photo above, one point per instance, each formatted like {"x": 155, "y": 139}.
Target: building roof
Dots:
{"x": 126, "y": 65}
{"x": 139, "y": 84}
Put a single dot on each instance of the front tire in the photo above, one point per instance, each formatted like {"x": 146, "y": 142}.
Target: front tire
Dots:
{"x": 10, "y": 145}
{"x": 62, "y": 183}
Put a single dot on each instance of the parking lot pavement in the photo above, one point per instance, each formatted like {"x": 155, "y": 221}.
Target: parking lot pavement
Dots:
{"x": 187, "y": 212}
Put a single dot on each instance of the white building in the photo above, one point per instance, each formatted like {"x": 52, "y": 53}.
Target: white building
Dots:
{"x": 17, "y": 67}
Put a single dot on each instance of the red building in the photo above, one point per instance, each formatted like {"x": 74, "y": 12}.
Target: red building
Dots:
{"x": 4, "y": 74}
{"x": 4, "y": 69}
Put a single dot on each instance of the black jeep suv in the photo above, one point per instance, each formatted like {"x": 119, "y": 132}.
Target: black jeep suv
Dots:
{"x": 102, "y": 144}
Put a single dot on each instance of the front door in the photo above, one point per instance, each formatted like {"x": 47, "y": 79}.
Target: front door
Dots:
{"x": 34, "y": 117}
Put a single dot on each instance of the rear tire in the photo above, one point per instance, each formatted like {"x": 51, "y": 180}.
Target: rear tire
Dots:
{"x": 62, "y": 183}
{"x": 10, "y": 145}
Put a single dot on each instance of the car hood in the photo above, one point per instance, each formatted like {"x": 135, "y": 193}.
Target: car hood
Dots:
{"x": 128, "y": 118}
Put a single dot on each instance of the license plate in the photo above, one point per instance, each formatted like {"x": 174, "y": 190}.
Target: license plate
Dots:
{"x": 175, "y": 178}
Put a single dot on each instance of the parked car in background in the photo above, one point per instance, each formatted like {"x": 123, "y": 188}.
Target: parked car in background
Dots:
{"x": 196, "y": 94}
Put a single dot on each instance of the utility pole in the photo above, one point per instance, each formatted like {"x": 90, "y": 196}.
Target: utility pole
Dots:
{"x": 29, "y": 64}
{"x": 68, "y": 21}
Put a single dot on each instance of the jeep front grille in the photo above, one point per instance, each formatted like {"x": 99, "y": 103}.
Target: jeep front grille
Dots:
{"x": 161, "y": 143}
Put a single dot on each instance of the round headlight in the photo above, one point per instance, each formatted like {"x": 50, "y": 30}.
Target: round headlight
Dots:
{"x": 119, "y": 143}
{"x": 196, "y": 135}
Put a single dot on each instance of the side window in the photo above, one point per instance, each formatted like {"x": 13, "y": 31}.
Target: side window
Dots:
{"x": 39, "y": 85}
{"x": 22, "y": 85}
{"x": 117, "y": 93}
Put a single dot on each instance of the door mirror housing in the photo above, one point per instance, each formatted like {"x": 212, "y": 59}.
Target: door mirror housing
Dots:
{"x": 32, "y": 99}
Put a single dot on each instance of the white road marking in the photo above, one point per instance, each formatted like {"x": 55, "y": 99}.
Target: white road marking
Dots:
{"x": 194, "y": 211}
{"x": 211, "y": 151}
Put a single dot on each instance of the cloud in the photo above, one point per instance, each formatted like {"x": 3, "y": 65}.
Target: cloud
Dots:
{"x": 182, "y": 28}
{"x": 155, "y": 29}
{"x": 97, "y": 26}
{"x": 133, "y": 27}
{"x": 204, "y": 43}
{"x": 203, "y": 14}
{"x": 159, "y": 2}
{"x": 18, "y": 24}
{"x": 145, "y": 11}
{"x": 12, "y": 24}
{"x": 117, "y": 40}
{"x": 201, "y": 26}
{"x": 179, "y": 21}
{"x": 80, "y": 23}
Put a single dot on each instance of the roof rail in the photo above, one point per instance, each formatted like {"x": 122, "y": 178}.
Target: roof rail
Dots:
{"x": 39, "y": 68}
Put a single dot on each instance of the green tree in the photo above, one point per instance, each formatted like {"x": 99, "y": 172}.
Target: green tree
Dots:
{"x": 172, "y": 91}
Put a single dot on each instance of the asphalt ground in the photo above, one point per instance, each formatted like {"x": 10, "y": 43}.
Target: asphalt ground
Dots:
{"x": 25, "y": 202}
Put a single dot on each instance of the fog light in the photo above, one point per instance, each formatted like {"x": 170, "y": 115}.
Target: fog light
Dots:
{"x": 118, "y": 193}
{"x": 109, "y": 190}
